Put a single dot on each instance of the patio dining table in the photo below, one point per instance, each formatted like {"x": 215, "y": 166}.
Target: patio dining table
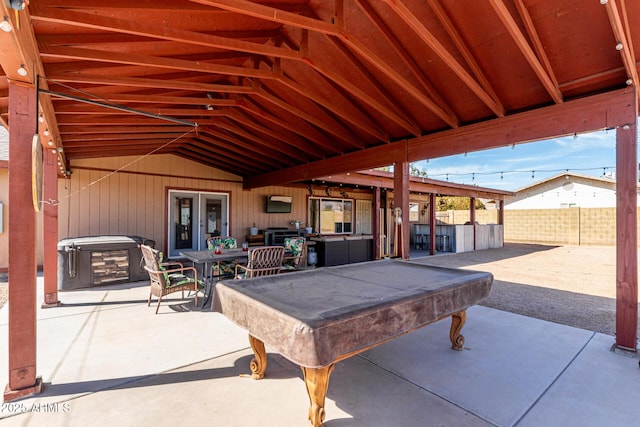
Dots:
{"x": 207, "y": 258}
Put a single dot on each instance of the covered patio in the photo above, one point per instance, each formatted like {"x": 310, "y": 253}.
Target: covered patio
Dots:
{"x": 281, "y": 93}
{"x": 161, "y": 370}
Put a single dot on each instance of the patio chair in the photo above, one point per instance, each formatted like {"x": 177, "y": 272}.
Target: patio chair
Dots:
{"x": 168, "y": 277}
{"x": 223, "y": 268}
{"x": 294, "y": 253}
{"x": 263, "y": 261}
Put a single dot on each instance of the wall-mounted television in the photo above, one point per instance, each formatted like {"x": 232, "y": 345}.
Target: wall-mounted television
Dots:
{"x": 278, "y": 204}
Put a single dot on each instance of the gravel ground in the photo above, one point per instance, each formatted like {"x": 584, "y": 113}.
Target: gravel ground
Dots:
{"x": 571, "y": 285}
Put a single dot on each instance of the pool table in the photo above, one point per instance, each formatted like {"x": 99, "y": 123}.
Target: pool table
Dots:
{"x": 316, "y": 318}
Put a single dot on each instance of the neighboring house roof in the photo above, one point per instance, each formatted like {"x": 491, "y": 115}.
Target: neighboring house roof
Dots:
{"x": 592, "y": 180}
{"x": 565, "y": 190}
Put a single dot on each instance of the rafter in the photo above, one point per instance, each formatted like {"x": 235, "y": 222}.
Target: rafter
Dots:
{"x": 257, "y": 111}
{"x": 141, "y": 82}
{"x": 81, "y": 54}
{"x": 626, "y": 52}
{"x": 248, "y": 143}
{"x": 430, "y": 40}
{"x": 457, "y": 39}
{"x": 535, "y": 40}
{"x": 141, "y": 28}
{"x": 333, "y": 128}
{"x": 520, "y": 40}
{"x": 395, "y": 44}
{"x": 316, "y": 25}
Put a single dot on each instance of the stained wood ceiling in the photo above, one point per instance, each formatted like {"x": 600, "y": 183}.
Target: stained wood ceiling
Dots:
{"x": 285, "y": 91}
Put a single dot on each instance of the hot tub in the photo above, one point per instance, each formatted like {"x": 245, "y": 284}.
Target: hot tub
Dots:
{"x": 100, "y": 260}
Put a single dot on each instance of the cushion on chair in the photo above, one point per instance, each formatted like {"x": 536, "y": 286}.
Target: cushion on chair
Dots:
{"x": 226, "y": 242}
{"x": 293, "y": 247}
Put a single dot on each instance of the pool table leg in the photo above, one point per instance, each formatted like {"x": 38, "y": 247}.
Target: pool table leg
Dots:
{"x": 317, "y": 382}
{"x": 259, "y": 363}
{"x": 457, "y": 322}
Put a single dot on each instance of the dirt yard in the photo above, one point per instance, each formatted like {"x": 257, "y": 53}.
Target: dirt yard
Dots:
{"x": 571, "y": 285}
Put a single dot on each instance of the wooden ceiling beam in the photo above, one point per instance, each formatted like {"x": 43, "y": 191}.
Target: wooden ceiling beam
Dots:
{"x": 81, "y": 54}
{"x": 409, "y": 61}
{"x": 257, "y": 152}
{"x": 255, "y": 143}
{"x": 434, "y": 44}
{"x": 416, "y": 185}
{"x": 226, "y": 154}
{"x": 116, "y": 136}
{"x": 330, "y": 29}
{"x": 602, "y": 111}
{"x": 277, "y": 142}
{"x": 349, "y": 114}
{"x": 85, "y": 129}
{"x": 334, "y": 128}
{"x": 110, "y": 38}
{"x": 465, "y": 52}
{"x": 512, "y": 27}
{"x": 622, "y": 35}
{"x": 535, "y": 40}
{"x": 149, "y": 83}
{"x": 297, "y": 144}
{"x": 165, "y": 32}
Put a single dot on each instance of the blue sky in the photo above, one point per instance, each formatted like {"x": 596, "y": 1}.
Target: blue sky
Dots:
{"x": 510, "y": 168}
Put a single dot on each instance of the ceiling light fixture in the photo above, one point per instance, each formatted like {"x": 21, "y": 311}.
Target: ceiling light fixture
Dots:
{"x": 619, "y": 46}
{"x": 604, "y": 1}
{"x": 50, "y": 143}
{"x": 5, "y": 25}
{"x": 629, "y": 82}
{"x": 22, "y": 71}
{"x": 41, "y": 118}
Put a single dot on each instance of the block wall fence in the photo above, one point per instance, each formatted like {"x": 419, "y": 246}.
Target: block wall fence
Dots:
{"x": 572, "y": 226}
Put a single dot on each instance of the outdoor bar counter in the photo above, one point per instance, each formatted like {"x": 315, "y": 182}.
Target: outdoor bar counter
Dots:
{"x": 316, "y": 318}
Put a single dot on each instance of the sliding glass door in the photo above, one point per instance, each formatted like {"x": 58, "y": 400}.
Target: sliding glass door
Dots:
{"x": 193, "y": 218}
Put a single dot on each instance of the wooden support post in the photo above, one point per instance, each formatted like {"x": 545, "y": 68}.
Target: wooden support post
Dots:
{"x": 626, "y": 237}
{"x": 472, "y": 219}
{"x": 376, "y": 223}
{"x": 501, "y": 213}
{"x": 50, "y": 230}
{"x": 22, "y": 246}
{"x": 432, "y": 223}
{"x": 401, "y": 200}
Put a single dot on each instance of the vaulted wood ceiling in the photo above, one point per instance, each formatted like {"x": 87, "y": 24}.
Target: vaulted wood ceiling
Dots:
{"x": 282, "y": 91}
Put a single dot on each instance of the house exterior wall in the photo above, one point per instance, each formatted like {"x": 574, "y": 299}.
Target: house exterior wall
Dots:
{"x": 96, "y": 201}
{"x": 566, "y": 191}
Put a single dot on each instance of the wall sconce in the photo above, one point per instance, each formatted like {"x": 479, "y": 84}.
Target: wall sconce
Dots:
{"x": 424, "y": 209}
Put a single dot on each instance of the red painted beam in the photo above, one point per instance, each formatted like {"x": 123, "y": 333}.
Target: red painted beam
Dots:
{"x": 401, "y": 201}
{"x": 626, "y": 237}
{"x": 22, "y": 246}
{"x": 597, "y": 112}
{"x": 50, "y": 230}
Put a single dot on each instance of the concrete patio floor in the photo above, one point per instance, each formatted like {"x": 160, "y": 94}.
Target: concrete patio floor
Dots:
{"x": 106, "y": 359}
